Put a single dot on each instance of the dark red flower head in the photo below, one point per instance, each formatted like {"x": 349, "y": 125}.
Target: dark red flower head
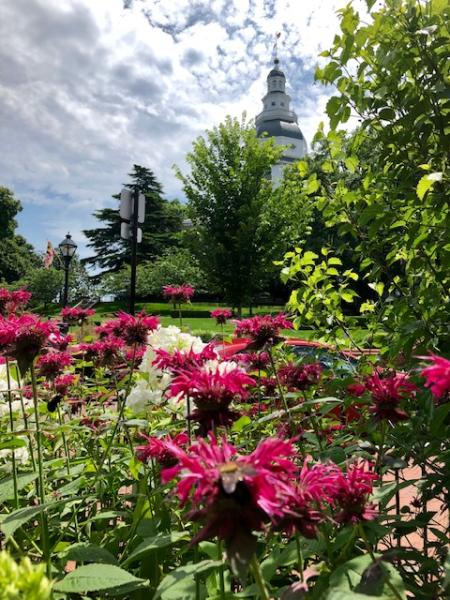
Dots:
{"x": 221, "y": 315}
{"x": 178, "y": 361}
{"x": 62, "y": 383}
{"x": 300, "y": 377}
{"x": 75, "y": 314}
{"x": 212, "y": 387}
{"x": 105, "y": 353}
{"x": 23, "y": 337}
{"x": 158, "y": 448}
{"x": 51, "y": 364}
{"x": 353, "y": 488}
{"x": 387, "y": 394}
{"x": 437, "y": 375}
{"x": 263, "y": 330}
{"x": 233, "y": 494}
{"x": 132, "y": 330}
{"x": 178, "y": 293}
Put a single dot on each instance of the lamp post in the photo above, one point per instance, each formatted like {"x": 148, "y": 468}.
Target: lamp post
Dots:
{"x": 67, "y": 249}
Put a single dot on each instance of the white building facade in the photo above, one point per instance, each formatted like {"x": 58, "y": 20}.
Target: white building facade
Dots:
{"x": 277, "y": 120}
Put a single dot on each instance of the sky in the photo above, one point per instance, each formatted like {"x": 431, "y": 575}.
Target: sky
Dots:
{"x": 90, "y": 87}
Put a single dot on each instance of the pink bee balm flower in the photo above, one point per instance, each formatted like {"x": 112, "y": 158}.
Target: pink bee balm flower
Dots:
{"x": 177, "y": 294}
{"x": 315, "y": 488}
{"x": 23, "y": 337}
{"x": 231, "y": 493}
{"x": 437, "y": 375}
{"x": 356, "y": 389}
{"x": 221, "y": 315}
{"x": 255, "y": 361}
{"x": 52, "y": 363}
{"x": 387, "y": 394}
{"x": 12, "y": 301}
{"x": 300, "y": 377}
{"x": 104, "y": 353}
{"x": 352, "y": 492}
{"x": 59, "y": 341}
{"x": 179, "y": 361}
{"x": 263, "y": 330}
{"x": 133, "y": 330}
{"x": 212, "y": 387}
{"x": 158, "y": 449}
{"x": 74, "y": 314}
{"x": 64, "y": 382}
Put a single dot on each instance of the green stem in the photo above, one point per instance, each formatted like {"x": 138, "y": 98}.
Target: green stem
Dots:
{"x": 11, "y": 424}
{"x": 221, "y": 573}
{"x": 379, "y": 462}
{"x": 64, "y": 439}
{"x": 41, "y": 487}
{"x": 280, "y": 390}
{"x": 301, "y": 562}
{"x": 259, "y": 579}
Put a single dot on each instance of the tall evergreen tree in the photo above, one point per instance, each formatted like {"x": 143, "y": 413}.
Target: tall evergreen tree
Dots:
{"x": 163, "y": 220}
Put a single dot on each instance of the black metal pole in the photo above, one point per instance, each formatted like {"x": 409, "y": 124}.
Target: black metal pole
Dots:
{"x": 134, "y": 232}
{"x": 66, "y": 282}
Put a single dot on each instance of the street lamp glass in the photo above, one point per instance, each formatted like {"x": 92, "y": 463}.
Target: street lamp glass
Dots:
{"x": 68, "y": 247}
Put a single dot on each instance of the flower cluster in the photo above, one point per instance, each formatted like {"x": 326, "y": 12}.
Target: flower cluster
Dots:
{"x": 132, "y": 330}
{"x": 234, "y": 495}
{"x": 300, "y": 376}
{"x": 263, "y": 330}
{"x": 212, "y": 387}
{"x": 255, "y": 361}
{"x": 387, "y": 394}
{"x": 12, "y": 301}
{"x": 177, "y": 294}
{"x": 51, "y": 364}
{"x": 221, "y": 315}
{"x": 437, "y": 376}
{"x": 23, "y": 337}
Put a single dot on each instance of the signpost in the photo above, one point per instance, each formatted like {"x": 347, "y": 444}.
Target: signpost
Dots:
{"x": 132, "y": 212}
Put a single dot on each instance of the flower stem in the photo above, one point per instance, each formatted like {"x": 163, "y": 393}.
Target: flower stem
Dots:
{"x": 221, "y": 574}
{"x": 379, "y": 462}
{"x": 11, "y": 424}
{"x": 64, "y": 439}
{"x": 280, "y": 390}
{"x": 259, "y": 579}
{"x": 300, "y": 557}
{"x": 41, "y": 488}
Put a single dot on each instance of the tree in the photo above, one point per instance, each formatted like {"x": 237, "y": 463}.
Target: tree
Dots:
{"x": 16, "y": 255}
{"x": 162, "y": 223}
{"x": 392, "y": 73}
{"x": 44, "y": 284}
{"x": 228, "y": 193}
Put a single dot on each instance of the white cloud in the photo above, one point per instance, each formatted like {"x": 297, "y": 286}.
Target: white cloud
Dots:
{"x": 88, "y": 88}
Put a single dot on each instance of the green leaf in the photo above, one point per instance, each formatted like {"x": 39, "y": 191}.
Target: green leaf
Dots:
{"x": 154, "y": 543}
{"x": 361, "y": 577}
{"x": 241, "y": 423}
{"x": 86, "y": 552}
{"x": 7, "y": 485}
{"x": 178, "y": 578}
{"x": 426, "y": 183}
{"x": 13, "y": 443}
{"x": 96, "y": 577}
{"x": 17, "y": 518}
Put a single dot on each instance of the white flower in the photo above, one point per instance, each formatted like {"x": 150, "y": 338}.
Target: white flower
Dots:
{"x": 21, "y": 454}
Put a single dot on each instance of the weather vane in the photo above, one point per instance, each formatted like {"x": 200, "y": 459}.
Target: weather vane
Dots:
{"x": 275, "y": 48}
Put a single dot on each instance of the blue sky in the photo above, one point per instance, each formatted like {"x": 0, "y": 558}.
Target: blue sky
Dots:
{"x": 89, "y": 87}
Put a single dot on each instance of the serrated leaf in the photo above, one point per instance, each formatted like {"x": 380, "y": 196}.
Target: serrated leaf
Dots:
{"x": 86, "y": 552}
{"x": 97, "y": 577}
{"x": 19, "y": 517}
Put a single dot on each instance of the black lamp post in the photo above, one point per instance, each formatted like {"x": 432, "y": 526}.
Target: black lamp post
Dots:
{"x": 67, "y": 249}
